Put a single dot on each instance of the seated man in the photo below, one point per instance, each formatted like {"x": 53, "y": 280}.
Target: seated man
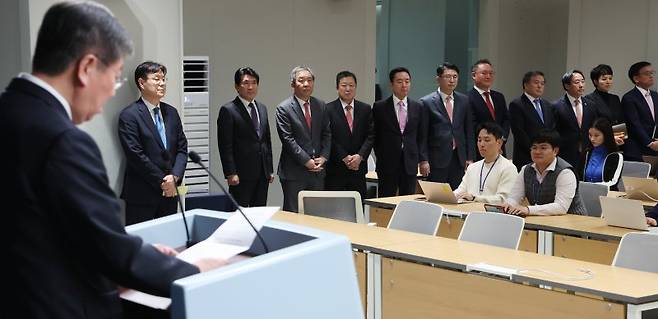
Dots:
{"x": 489, "y": 180}
{"x": 548, "y": 185}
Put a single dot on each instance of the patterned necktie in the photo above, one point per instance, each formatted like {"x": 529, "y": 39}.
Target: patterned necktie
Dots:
{"x": 254, "y": 117}
{"x": 538, "y": 109}
{"x": 160, "y": 126}
{"x": 649, "y": 100}
{"x": 307, "y": 114}
{"x": 489, "y": 105}
{"x": 348, "y": 116}
{"x": 402, "y": 116}
{"x": 579, "y": 112}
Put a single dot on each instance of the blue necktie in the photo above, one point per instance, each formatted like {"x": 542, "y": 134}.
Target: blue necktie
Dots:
{"x": 160, "y": 126}
{"x": 538, "y": 109}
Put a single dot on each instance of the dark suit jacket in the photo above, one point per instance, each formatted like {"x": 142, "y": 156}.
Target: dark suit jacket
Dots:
{"x": 441, "y": 131}
{"x": 607, "y": 105}
{"x": 65, "y": 246}
{"x": 298, "y": 143}
{"x": 574, "y": 139}
{"x": 147, "y": 162}
{"x": 639, "y": 122}
{"x": 242, "y": 151}
{"x": 343, "y": 142}
{"x": 389, "y": 140}
{"x": 481, "y": 112}
{"x": 525, "y": 124}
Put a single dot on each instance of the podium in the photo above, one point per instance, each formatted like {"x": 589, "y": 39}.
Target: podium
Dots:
{"x": 308, "y": 273}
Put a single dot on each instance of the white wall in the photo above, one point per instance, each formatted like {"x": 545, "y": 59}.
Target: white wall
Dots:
{"x": 272, "y": 37}
{"x": 13, "y": 34}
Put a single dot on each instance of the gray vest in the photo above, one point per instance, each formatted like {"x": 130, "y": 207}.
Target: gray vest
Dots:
{"x": 544, "y": 193}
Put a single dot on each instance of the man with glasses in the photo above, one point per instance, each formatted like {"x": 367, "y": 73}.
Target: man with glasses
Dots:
{"x": 65, "y": 247}
{"x": 639, "y": 106}
{"x": 487, "y": 105}
{"x": 450, "y": 134}
{"x": 245, "y": 146}
{"x": 573, "y": 118}
{"x": 152, "y": 138}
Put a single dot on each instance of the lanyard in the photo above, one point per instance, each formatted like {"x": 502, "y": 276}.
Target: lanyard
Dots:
{"x": 482, "y": 182}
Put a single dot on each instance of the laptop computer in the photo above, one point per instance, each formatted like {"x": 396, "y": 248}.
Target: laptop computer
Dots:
{"x": 439, "y": 193}
{"x": 641, "y": 188}
{"x": 621, "y": 212}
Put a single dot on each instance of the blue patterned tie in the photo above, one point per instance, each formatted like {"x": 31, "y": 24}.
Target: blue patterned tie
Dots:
{"x": 538, "y": 109}
{"x": 160, "y": 126}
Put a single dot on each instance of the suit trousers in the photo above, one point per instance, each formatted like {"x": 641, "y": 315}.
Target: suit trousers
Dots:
{"x": 251, "y": 193}
{"x": 292, "y": 187}
{"x": 451, "y": 174}
{"x": 139, "y": 212}
{"x": 396, "y": 183}
{"x": 351, "y": 182}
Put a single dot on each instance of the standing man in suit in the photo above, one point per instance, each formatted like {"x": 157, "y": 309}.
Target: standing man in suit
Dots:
{"x": 487, "y": 105}
{"x": 245, "y": 146}
{"x": 65, "y": 247}
{"x": 400, "y": 138}
{"x": 152, "y": 138}
{"x": 352, "y": 135}
{"x": 639, "y": 105}
{"x": 450, "y": 140}
{"x": 303, "y": 126}
{"x": 573, "y": 118}
{"x": 529, "y": 114}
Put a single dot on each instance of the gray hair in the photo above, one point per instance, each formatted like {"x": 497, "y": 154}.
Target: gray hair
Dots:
{"x": 300, "y": 68}
{"x": 70, "y": 30}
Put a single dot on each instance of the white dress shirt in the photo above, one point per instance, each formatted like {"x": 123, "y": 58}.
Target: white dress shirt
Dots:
{"x": 396, "y": 101}
{"x": 151, "y": 107}
{"x": 565, "y": 190}
{"x": 245, "y": 103}
{"x": 44, "y": 85}
{"x": 301, "y": 105}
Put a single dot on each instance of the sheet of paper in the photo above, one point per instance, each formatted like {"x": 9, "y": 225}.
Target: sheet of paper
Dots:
{"x": 231, "y": 237}
{"x": 145, "y": 299}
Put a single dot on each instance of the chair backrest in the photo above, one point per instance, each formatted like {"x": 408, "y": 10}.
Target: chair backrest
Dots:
{"x": 634, "y": 169}
{"x": 494, "y": 229}
{"x": 637, "y": 251}
{"x": 219, "y": 202}
{"x": 341, "y": 205}
{"x": 590, "y": 193}
{"x": 416, "y": 216}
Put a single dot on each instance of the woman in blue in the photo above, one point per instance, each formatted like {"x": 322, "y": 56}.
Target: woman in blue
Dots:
{"x": 603, "y": 162}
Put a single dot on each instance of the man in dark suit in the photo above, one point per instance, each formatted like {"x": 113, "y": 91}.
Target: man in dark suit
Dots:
{"x": 152, "y": 138}
{"x": 245, "y": 146}
{"x": 573, "y": 117}
{"x": 487, "y": 105}
{"x": 303, "y": 126}
{"x": 639, "y": 105}
{"x": 529, "y": 114}
{"x": 352, "y": 136}
{"x": 65, "y": 248}
{"x": 400, "y": 138}
{"x": 450, "y": 141}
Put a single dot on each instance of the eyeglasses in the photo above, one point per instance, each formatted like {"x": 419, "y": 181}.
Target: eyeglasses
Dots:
{"x": 448, "y": 77}
{"x": 119, "y": 83}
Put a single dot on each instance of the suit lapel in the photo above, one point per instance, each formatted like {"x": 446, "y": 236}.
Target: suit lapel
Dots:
{"x": 392, "y": 117}
{"x": 242, "y": 109}
{"x": 438, "y": 103}
{"x": 145, "y": 114}
{"x": 300, "y": 115}
{"x": 533, "y": 111}
{"x": 340, "y": 112}
{"x": 262, "y": 116}
{"x": 569, "y": 110}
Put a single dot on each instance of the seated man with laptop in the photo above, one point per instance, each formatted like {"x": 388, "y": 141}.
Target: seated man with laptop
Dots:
{"x": 549, "y": 184}
{"x": 489, "y": 180}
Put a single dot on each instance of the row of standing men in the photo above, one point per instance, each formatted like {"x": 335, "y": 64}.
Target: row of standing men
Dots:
{"x": 326, "y": 146}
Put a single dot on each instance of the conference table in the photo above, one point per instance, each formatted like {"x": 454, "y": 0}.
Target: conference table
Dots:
{"x": 571, "y": 236}
{"x": 408, "y": 275}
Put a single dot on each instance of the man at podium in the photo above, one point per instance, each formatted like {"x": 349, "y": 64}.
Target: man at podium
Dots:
{"x": 65, "y": 248}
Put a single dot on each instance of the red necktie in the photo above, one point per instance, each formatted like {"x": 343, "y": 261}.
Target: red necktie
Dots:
{"x": 489, "y": 105}
{"x": 307, "y": 114}
{"x": 348, "y": 116}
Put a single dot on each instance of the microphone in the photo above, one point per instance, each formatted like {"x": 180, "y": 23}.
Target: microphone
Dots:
{"x": 194, "y": 156}
{"x": 167, "y": 158}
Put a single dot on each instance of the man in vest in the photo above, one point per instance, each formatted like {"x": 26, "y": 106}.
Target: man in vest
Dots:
{"x": 548, "y": 185}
